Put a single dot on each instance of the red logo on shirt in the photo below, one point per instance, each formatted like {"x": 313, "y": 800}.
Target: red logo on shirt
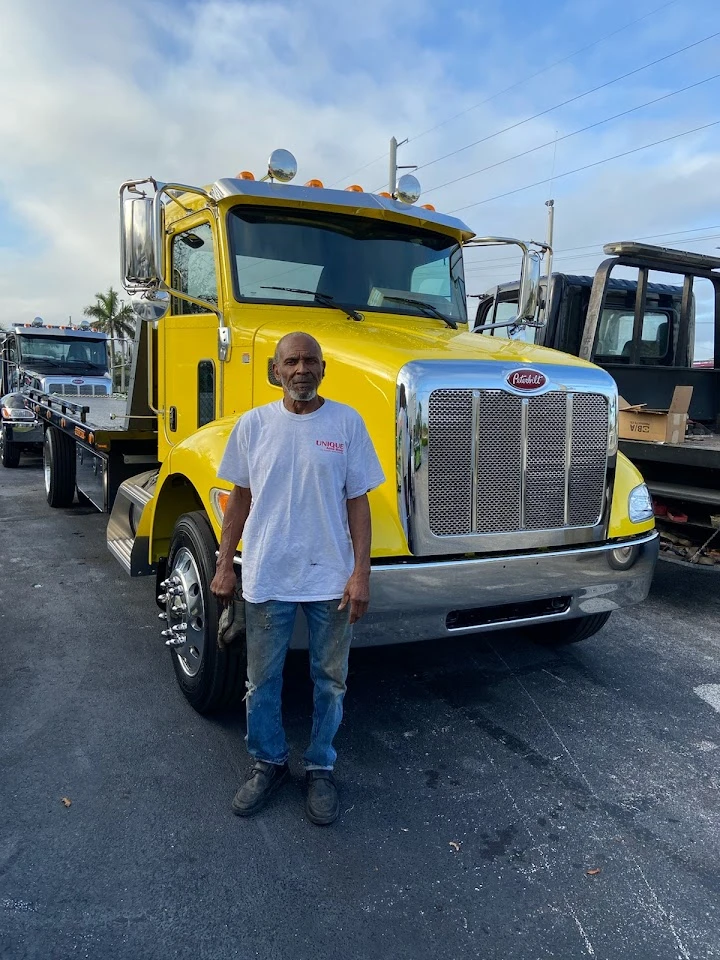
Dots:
{"x": 331, "y": 445}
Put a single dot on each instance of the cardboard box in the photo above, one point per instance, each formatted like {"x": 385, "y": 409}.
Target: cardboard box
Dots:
{"x": 636, "y": 422}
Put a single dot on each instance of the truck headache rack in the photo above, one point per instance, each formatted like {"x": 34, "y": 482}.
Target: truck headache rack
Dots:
{"x": 54, "y": 405}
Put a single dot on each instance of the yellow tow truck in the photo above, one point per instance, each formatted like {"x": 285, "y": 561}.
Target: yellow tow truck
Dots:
{"x": 506, "y": 502}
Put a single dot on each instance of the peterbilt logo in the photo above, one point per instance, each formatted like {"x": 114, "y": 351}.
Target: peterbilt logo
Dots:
{"x": 526, "y": 379}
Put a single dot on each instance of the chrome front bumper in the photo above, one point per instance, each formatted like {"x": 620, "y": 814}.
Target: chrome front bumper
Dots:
{"x": 423, "y": 601}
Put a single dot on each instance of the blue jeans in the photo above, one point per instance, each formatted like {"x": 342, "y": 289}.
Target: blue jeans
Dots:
{"x": 269, "y": 629}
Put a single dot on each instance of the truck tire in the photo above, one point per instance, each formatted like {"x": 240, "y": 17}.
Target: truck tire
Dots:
{"x": 564, "y": 632}
{"x": 59, "y": 467}
{"x": 208, "y": 677}
{"x": 9, "y": 452}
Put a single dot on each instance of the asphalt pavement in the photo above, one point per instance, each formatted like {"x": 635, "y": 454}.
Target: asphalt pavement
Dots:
{"x": 499, "y": 800}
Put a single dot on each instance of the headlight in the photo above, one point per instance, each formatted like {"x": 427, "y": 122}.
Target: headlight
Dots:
{"x": 640, "y": 506}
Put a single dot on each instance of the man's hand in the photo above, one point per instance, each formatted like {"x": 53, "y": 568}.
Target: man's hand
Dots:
{"x": 357, "y": 594}
{"x": 224, "y": 584}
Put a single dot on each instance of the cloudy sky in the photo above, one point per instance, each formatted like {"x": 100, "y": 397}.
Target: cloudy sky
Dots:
{"x": 98, "y": 91}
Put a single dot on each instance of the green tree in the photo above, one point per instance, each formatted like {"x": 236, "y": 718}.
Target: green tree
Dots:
{"x": 115, "y": 319}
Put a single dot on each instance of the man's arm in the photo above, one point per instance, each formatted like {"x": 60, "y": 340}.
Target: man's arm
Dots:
{"x": 236, "y": 513}
{"x": 357, "y": 589}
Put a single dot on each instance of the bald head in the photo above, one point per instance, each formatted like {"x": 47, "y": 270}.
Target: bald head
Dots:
{"x": 299, "y": 366}
{"x": 294, "y": 341}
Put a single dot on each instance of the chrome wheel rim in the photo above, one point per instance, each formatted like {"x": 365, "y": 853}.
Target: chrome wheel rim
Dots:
{"x": 186, "y": 605}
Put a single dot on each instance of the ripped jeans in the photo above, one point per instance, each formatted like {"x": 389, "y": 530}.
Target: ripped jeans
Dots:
{"x": 269, "y": 629}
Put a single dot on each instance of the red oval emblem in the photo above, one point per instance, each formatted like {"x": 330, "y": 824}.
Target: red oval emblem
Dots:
{"x": 526, "y": 379}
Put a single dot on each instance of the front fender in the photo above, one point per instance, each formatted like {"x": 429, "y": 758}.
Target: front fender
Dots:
{"x": 185, "y": 481}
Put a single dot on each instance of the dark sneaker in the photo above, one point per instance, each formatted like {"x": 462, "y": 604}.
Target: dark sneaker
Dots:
{"x": 322, "y": 805}
{"x": 264, "y": 780}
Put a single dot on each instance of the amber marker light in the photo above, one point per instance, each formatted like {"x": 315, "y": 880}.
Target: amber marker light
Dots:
{"x": 314, "y": 183}
{"x": 245, "y": 175}
{"x": 384, "y": 193}
{"x": 428, "y": 206}
{"x": 219, "y": 499}
{"x": 355, "y": 188}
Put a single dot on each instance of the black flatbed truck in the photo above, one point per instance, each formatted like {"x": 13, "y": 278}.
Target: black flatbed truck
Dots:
{"x": 656, "y": 357}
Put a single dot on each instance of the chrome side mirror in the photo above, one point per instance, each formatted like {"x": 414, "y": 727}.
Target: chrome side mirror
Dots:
{"x": 150, "y": 307}
{"x": 529, "y": 293}
{"x": 138, "y": 265}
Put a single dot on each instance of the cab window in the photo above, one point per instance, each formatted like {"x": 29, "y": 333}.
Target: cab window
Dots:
{"x": 615, "y": 335}
{"x": 193, "y": 268}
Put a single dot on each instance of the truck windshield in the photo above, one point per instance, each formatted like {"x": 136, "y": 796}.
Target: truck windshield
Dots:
{"x": 363, "y": 263}
{"x": 75, "y": 354}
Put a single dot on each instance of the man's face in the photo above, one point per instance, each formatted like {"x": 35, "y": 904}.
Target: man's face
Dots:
{"x": 300, "y": 368}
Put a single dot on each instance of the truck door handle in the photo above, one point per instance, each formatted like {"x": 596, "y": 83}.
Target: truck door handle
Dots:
{"x": 172, "y": 416}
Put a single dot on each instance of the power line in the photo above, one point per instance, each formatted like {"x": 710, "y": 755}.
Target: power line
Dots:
{"x": 567, "y": 136}
{"x": 353, "y": 172}
{"x": 564, "y": 103}
{"x": 513, "y": 86}
{"x": 587, "y": 166}
{"x": 590, "y": 247}
{"x": 538, "y": 73}
{"x": 483, "y": 272}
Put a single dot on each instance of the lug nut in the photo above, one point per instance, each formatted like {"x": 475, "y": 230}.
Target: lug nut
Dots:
{"x": 162, "y": 616}
{"x": 167, "y": 633}
{"x": 175, "y": 642}
{"x": 162, "y": 598}
{"x": 179, "y": 628}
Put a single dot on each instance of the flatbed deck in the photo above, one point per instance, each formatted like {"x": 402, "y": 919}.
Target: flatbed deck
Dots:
{"x": 696, "y": 451}
{"x": 100, "y": 421}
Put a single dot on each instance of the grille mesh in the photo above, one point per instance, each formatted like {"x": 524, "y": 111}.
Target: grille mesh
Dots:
{"x": 545, "y": 486}
{"x": 499, "y": 462}
{"x": 502, "y": 504}
{"x": 450, "y": 462}
{"x": 589, "y": 453}
{"x": 78, "y": 390}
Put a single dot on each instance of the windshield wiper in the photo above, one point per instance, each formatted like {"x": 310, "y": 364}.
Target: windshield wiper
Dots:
{"x": 324, "y": 298}
{"x": 428, "y": 308}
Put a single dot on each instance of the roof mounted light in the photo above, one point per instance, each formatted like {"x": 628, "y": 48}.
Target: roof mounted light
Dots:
{"x": 37, "y": 322}
{"x": 245, "y": 175}
{"x": 408, "y": 188}
{"x": 282, "y": 166}
{"x": 314, "y": 183}
{"x": 354, "y": 188}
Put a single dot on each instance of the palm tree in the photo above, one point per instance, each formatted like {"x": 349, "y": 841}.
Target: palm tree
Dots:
{"x": 111, "y": 317}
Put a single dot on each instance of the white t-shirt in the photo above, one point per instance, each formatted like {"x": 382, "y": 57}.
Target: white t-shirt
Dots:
{"x": 301, "y": 469}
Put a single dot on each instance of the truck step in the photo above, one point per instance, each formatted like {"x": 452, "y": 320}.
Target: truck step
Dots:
{"x": 127, "y": 536}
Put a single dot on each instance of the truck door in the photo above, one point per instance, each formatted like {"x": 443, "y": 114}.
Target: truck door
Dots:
{"x": 189, "y": 338}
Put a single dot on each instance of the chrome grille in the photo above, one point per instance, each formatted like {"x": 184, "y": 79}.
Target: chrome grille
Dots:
{"x": 501, "y": 463}
{"x": 589, "y": 457}
{"x": 77, "y": 390}
{"x": 450, "y": 447}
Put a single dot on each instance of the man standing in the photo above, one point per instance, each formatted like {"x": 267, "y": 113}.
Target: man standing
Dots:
{"x": 302, "y": 468}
